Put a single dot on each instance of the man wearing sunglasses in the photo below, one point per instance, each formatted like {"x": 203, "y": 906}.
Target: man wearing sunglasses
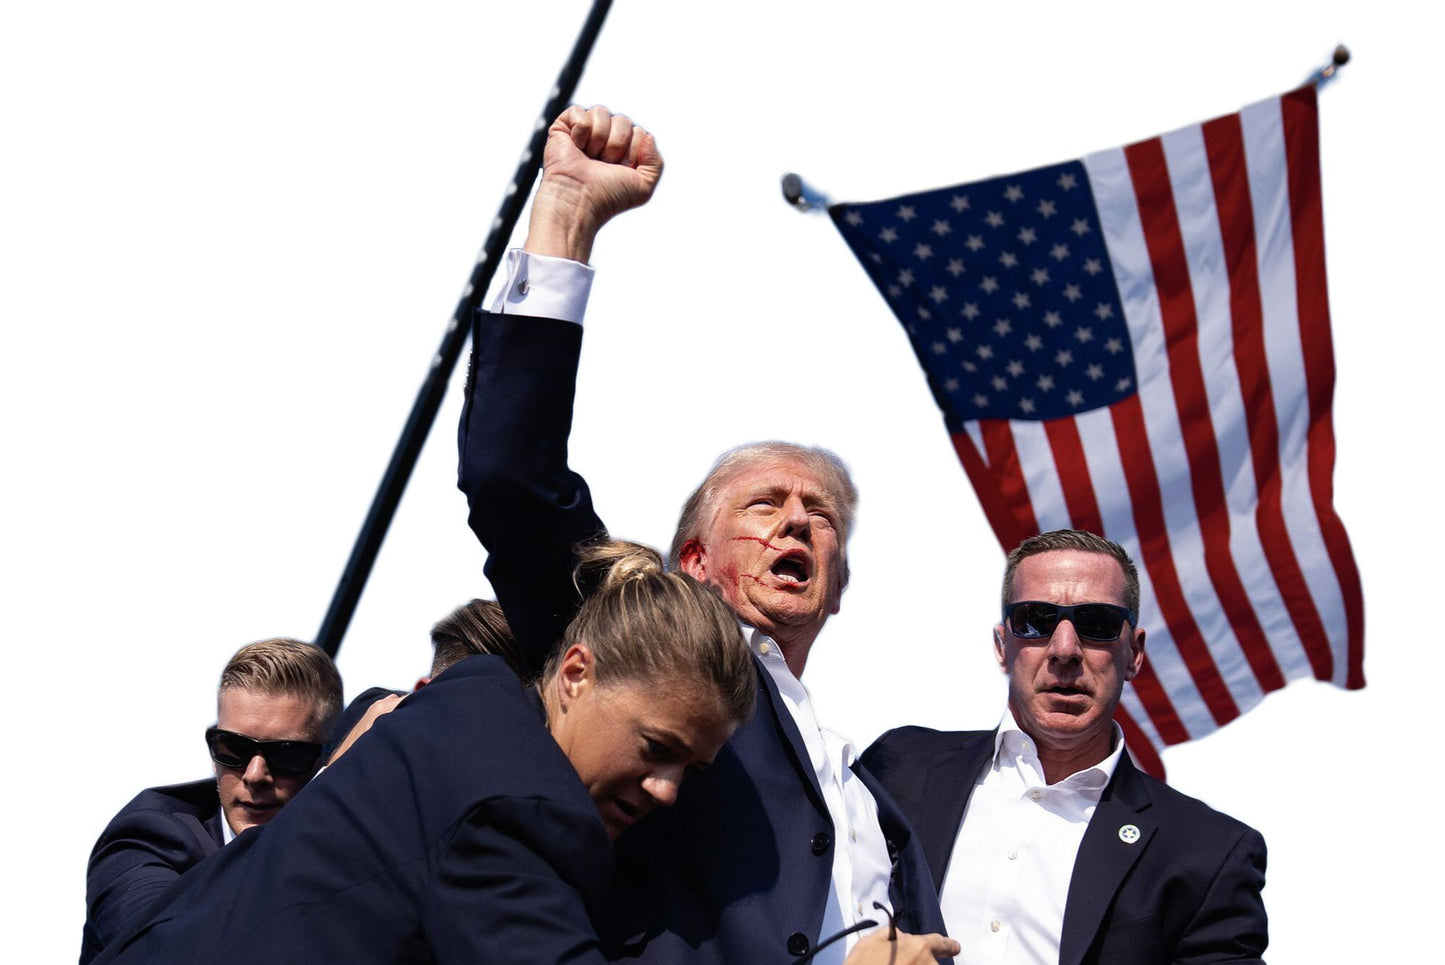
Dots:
{"x": 278, "y": 701}
{"x": 1045, "y": 842}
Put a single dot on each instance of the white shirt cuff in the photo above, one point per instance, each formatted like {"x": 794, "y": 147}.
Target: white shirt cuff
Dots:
{"x": 544, "y": 286}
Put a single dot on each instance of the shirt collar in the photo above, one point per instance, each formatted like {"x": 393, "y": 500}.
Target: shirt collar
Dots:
{"x": 1010, "y": 743}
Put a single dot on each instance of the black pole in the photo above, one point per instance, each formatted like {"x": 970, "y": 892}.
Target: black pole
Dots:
{"x": 429, "y": 399}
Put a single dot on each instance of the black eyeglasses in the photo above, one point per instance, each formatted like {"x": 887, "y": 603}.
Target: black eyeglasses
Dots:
{"x": 1036, "y": 620}
{"x": 283, "y": 758}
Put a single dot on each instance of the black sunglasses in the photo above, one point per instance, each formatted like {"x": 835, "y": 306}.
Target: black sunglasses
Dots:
{"x": 283, "y": 758}
{"x": 1036, "y": 620}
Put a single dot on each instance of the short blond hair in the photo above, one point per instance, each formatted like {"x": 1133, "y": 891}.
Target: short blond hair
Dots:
{"x": 282, "y": 666}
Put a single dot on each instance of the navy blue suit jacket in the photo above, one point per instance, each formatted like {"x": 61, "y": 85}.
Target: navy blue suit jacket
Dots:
{"x": 1186, "y": 890}
{"x": 457, "y": 831}
{"x": 739, "y": 869}
{"x": 159, "y": 836}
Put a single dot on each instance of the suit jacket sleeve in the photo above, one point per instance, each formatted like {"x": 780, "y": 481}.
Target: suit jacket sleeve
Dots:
{"x": 526, "y": 506}
{"x": 136, "y": 859}
{"x": 1231, "y": 925}
{"x": 520, "y": 874}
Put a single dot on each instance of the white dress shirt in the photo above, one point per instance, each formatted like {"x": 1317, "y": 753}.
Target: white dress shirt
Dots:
{"x": 1008, "y": 878}
{"x": 861, "y": 868}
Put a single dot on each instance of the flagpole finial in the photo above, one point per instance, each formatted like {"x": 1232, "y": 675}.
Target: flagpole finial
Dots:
{"x": 1338, "y": 59}
{"x": 797, "y": 193}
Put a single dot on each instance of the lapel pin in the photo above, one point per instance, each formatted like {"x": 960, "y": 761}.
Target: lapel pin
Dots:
{"x": 1128, "y": 834}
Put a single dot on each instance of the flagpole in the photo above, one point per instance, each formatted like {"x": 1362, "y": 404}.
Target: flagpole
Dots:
{"x": 803, "y": 196}
{"x": 1325, "y": 74}
{"x": 429, "y": 398}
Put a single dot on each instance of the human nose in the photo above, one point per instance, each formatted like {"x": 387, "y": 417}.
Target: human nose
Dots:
{"x": 256, "y": 771}
{"x": 1064, "y": 643}
{"x": 662, "y": 785}
{"x": 796, "y": 521}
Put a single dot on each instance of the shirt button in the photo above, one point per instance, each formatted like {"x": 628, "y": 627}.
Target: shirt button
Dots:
{"x": 1012, "y": 854}
{"x": 764, "y": 648}
{"x": 995, "y": 925}
{"x": 1036, "y": 794}
{"x": 853, "y": 835}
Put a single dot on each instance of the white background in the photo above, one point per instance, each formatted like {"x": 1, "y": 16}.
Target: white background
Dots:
{"x": 231, "y": 236}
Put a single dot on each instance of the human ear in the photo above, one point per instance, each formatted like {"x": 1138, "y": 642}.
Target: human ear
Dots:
{"x": 1136, "y": 655}
{"x": 575, "y": 672}
{"x": 999, "y": 653}
{"x": 693, "y": 559}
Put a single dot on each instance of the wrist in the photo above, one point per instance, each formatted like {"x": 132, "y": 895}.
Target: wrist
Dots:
{"x": 561, "y": 225}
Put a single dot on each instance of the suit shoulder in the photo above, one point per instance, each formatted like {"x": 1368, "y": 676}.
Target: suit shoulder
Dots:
{"x": 913, "y": 743}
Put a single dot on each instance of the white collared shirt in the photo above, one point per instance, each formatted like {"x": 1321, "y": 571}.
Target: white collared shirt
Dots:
{"x": 861, "y": 867}
{"x": 1008, "y": 879}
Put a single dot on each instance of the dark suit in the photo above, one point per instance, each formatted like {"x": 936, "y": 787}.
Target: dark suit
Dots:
{"x": 457, "y": 831}
{"x": 159, "y": 836}
{"x": 1186, "y": 890}
{"x": 739, "y": 870}
{"x": 357, "y": 709}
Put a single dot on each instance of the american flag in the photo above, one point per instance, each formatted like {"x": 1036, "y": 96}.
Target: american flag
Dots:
{"x": 1138, "y": 344}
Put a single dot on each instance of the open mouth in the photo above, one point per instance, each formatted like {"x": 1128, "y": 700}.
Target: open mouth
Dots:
{"x": 629, "y": 812}
{"x": 791, "y": 570}
{"x": 1062, "y": 691}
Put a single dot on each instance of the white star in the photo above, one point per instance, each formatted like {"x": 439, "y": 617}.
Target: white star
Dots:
{"x": 1059, "y": 252}
{"x": 941, "y": 228}
{"x": 1075, "y": 397}
{"x": 1095, "y": 371}
{"x": 906, "y": 212}
{"x": 939, "y": 294}
{"x": 1033, "y": 343}
{"x": 922, "y": 252}
{"x": 894, "y": 291}
{"x": 853, "y": 218}
{"x": 1114, "y": 346}
{"x": 905, "y": 277}
{"x": 959, "y": 203}
{"x": 950, "y": 385}
{"x": 974, "y": 242}
{"x": 969, "y": 366}
{"x": 1067, "y": 181}
{"x": 924, "y": 314}
{"x": 1013, "y": 192}
{"x": 1003, "y": 326}
{"x": 1072, "y": 293}
{"x": 999, "y": 383}
{"x": 954, "y": 334}
{"x": 1028, "y": 236}
{"x": 1063, "y": 358}
{"x": 1084, "y": 333}
{"x": 1080, "y": 227}
{"x": 980, "y": 400}
{"x": 1092, "y": 266}
{"x": 1123, "y": 384}
{"x": 1104, "y": 311}
{"x": 888, "y": 234}
{"x": 955, "y": 266}
{"x": 1040, "y": 276}
{"x": 1007, "y": 259}
{"x": 1026, "y": 405}
{"x": 969, "y": 310}
{"x": 989, "y": 284}
{"x": 1044, "y": 382}
{"x": 1021, "y": 300}
{"x": 875, "y": 256}
{"x": 984, "y": 352}
{"x": 994, "y": 219}
{"x": 939, "y": 348}
{"x": 1015, "y": 368}
{"x": 1046, "y": 209}
{"x": 1052, "y": 319}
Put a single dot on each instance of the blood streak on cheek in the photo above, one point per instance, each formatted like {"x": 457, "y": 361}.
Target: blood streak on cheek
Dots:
{"x": 757, "y": 539}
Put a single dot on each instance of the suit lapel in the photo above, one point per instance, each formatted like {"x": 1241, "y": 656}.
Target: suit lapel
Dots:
{"x": 946, "y": 790}
{"x": 797, "y": 750}
{"x": 1109, "y": 849}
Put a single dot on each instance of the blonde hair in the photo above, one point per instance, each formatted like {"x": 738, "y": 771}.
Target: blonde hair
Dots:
{"x": 282, "y": 666}
{"x": 478, "y": 626}
{"x": 644, "y": 624}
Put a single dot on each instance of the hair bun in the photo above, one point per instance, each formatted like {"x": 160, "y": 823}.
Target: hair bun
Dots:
{"x": 612, "y": 562}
